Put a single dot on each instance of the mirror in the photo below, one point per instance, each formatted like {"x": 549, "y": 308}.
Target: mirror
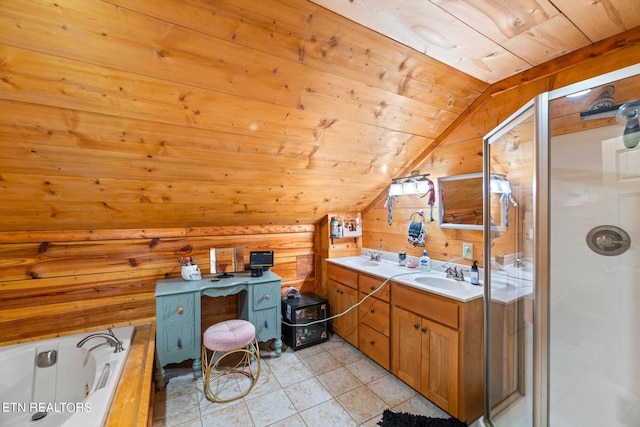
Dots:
{"x": 460, "y": 201}
{"x": 226, "y": 260}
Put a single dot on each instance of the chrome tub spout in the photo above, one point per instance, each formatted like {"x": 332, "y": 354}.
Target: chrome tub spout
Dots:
{"x": 110, "y": 337}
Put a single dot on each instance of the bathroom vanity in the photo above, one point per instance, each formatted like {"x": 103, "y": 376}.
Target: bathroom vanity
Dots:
{"x": 430, "y": 337}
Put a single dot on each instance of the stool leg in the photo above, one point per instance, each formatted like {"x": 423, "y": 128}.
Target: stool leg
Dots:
{"x": 210, "y": 371}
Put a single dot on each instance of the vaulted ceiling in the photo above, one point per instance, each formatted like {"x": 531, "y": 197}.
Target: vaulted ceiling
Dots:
{"x": 187, "y": 113}
{"x": 492, "y": 39}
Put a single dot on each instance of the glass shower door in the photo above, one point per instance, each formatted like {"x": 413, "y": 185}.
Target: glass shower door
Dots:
{"x": 509, "y": 262}
{"x": 594, "y": 363}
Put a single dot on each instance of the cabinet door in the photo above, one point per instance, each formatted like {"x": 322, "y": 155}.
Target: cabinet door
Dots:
{"x": 341, "y": 298}
{"x": 440, "y": 365}
{"x": 406, "y": 353}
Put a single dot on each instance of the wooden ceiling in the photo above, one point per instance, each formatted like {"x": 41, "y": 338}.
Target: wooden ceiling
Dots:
{"x": 492, "y": 39}
{"x": 188, "y": 113}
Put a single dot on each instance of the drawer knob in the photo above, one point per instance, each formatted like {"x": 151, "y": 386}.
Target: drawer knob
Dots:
{"x": 266, "y": 324}
{"x": 266, "y": 296}
{"x": 424, "y": 330}
{"x": 416, "y": 326}
{"x": 179, "y": 310}
{"x": 372, "y": 342}
{"x": 372, "y": 311}
{"x": 179, "y": 344}
{"x": 373, "y": 288}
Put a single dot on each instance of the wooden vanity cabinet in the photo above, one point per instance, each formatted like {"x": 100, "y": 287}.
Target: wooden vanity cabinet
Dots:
{"x": 436, "y": 348}
{"x": 374, "y": 319}
{"x": 342, "y": 290}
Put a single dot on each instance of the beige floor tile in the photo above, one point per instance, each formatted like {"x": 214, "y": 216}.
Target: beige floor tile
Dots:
{"x": 346, "y": 353}
{"x": 418, "y": 405}
{"x": 321, "y": 363}
{"x": 288, "y": 369}
{"x": 307, "y": 393}
{"x": 267, "y": 382}
{"x": 270, "y": 408}
{"x": 339, "y": 381}
{"x": 227, "y": 388}
{"x": 367, "y": 370}
{"x": 236, "y": 415}
{"x": 362, "y": 404}
{"x": 391, "y": 390}
{"x": 309, "y": 351}
{"x": 177, "y": 403}
{"x": 333, "y": 341}
{"x": 292, "y": 421}
{"x": 329, "y": 413}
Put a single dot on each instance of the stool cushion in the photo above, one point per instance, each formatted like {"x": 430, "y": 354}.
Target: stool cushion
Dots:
{"x": 229, "y": 335}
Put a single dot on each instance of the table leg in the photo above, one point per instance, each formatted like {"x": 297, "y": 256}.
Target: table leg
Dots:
{"x": 278, "y": 346}
{"x": 197, "y": 367}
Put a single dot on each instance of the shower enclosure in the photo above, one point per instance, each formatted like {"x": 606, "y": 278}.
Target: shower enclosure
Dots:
{"x": 562, "y": 261}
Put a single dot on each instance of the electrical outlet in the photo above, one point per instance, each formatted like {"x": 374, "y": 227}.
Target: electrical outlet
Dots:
{"x": 467, "y": 250}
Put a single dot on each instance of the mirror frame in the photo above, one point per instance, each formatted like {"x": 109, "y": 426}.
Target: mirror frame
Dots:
{"x": 441, "y": 205}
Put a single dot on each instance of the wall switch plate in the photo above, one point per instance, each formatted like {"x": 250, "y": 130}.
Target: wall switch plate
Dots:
{"x": 467, "y": 250}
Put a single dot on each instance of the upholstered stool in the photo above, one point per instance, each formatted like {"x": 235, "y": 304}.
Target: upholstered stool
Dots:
{"x": 232, "y": 341}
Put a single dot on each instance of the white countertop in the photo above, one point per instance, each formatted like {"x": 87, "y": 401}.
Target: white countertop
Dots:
{"x": 505, "y": 289}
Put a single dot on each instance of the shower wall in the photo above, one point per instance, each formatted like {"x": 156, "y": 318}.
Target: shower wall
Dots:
{"x": 594, "y": 299}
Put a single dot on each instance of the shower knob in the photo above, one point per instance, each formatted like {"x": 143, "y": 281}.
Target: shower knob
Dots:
{"x": 608, "y": 240}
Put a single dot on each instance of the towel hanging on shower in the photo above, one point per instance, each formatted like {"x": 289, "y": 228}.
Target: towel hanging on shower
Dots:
{"x": 417, "y": 232}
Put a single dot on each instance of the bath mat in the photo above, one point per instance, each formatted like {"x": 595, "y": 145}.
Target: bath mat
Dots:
{"x": 401, "y": 419}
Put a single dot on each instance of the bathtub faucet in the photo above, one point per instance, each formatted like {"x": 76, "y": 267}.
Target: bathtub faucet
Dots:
{"x": 110, "y": 337}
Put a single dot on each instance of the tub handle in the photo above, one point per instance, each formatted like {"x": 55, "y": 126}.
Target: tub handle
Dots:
{"x": 104, "y": 376}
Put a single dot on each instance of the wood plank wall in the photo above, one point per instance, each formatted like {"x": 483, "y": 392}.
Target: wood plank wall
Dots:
{"x": 54, "y": 282}
{"x": 459, "y": 150}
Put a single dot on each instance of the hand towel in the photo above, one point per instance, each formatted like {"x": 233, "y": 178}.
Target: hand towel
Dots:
{"x": 417, "y": 233}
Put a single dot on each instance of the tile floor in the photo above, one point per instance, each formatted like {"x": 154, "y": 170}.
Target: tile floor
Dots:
{"x": 329, "y": 384}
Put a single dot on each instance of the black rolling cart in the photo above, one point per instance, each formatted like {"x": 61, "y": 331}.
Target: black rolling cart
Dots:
{"x": 300, "y": 311}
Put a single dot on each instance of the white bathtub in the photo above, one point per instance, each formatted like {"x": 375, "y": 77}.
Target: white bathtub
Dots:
{"x": 76, "y": 390}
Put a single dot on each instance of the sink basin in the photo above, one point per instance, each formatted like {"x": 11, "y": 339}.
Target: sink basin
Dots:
{"x": 525, "y": 272}
{"x": 437, "y": 282}
{"x": 360, "y": 262}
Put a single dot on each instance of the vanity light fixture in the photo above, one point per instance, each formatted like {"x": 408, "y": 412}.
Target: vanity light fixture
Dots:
{"x": 414, "y": 184}
{"x": 499, "y": 184}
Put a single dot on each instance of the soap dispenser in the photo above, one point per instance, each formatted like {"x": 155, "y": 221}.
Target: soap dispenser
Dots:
{"x": 425, "y": 261}
{"x": 474, "y": 276}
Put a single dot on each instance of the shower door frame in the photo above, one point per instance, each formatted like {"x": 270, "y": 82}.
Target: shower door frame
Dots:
{"x": 541, "y": 232}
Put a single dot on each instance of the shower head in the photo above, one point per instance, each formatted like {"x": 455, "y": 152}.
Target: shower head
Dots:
{"x": 628, "y": 115}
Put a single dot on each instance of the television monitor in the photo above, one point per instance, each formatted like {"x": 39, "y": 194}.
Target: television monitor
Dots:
{"x": 261, "y": 259}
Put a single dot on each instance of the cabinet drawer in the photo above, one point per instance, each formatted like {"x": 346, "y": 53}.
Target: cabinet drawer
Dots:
{"x": 374, "y": 313}
{"x": 178, "y": 338}
{"x": 440, "y": 309}
{"x": 343, "y": 275}
{"x": 368, "y": 284}
{"x": 177, "y": 308}
{"x": 266, "y": 323}
{"x": 374, "y": 344}
{"x": 266, "y": 295}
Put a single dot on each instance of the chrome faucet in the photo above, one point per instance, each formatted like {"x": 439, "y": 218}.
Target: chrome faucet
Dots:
{"x": 373, "y": 256}
{"x": 454, "y": 273}
{"x": 110, "y": 337}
